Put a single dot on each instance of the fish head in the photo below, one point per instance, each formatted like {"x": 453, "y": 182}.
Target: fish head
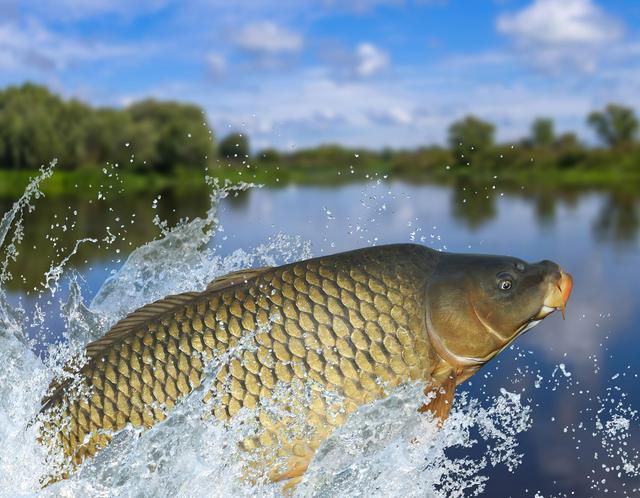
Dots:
{"x": 476, "y": 305}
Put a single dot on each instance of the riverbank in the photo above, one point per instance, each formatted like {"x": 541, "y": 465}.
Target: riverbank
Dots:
{"x": 86, "y": 182}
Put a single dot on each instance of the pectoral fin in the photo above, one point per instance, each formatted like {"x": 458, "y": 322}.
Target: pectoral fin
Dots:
{"x": 296, "y": 466}
{"x": 440, "y": 391}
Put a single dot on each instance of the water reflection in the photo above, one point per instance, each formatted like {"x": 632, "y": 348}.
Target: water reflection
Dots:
{"x": 545, "y": 208}
{"x": 473, "y": 206}
{"x": 65, "y": 219}
{"x": 619, "y": 218}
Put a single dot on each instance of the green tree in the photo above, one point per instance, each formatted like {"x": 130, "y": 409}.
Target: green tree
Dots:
{"x": 234, "y": 146}
{"x": 471, "y": 135}
{"x": 107, "y": 132}
{"x": 616, "y": 125}
{"x": 72, "y": 125}
{"x": 30, "y": 127}
{"x": 542, "y": 132}
{"x": 177, "y": 132}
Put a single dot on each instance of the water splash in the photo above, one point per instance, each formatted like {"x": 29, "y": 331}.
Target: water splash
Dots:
{"x": 385, "y": 448}
{"x": 389, "y": 449}
{"x": 13, "y": 219}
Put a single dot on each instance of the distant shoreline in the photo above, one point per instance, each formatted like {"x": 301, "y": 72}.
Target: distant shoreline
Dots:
{"x": 84, "y": 182}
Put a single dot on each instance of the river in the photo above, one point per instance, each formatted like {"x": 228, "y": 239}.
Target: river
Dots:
{"x": 577, "y": 379}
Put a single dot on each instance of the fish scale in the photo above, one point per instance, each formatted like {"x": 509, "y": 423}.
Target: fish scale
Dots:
{"x": 352, "y": 324}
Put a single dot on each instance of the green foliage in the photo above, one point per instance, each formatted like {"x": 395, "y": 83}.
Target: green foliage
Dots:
{"x": 423, "y": 160}
{"x": 569, "y": 150}
{"x": 37, "y": 126}
{"x": 469, "y": 137}
{"x": 616, "y": 125}
{"x": 269, "y": 156}
{"x": 167, "y": 134}
{"x": 323, "y": 156}
{"x": 332, "y": 156}
{"x": 471, "y": 132}
{"x": 107, "y": 132}
{"x": 29, "y": 131}
{"x": 234, "y": 146}
{"x": 542, "y": 132}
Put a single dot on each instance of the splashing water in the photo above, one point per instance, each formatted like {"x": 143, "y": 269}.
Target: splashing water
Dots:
{"x": 385, "y": 449}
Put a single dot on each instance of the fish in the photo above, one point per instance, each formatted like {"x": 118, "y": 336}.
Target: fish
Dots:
{"x": 356, "y": 324}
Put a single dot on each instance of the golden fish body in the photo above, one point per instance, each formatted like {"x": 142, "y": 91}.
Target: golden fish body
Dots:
{"x": 352, "y": 323}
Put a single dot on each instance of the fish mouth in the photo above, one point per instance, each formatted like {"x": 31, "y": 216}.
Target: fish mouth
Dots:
{"x": 557, "y": 296}
{"x": 556, "y": 299}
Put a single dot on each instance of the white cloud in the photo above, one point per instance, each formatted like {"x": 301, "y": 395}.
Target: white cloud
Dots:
{"x": 308, "y": 107}
{"x": 413, "y": 106}
{"x": 363, "y": 61}
{"x": 31, "y": 45}
{"x": 267, "y": 38}
{"x": 370, "y": 59}
{"x": 393, "y": 116}
{"x": 555, "y": 22}
{"x": 557, "y": 32}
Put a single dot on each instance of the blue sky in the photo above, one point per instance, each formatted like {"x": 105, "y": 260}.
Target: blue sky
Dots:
{"x": 374, "y": 73}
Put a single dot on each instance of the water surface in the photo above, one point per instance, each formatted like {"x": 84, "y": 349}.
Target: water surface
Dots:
{"x": 579, "y": 376}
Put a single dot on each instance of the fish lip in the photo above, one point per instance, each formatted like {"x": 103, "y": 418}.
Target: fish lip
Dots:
{"x": 558, "y": 295}
{"x": 565, "y": 286}
{"x": 545, "y": 311}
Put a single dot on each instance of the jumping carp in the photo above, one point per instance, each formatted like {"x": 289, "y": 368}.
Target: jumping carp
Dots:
{"x": 357, "y": 324}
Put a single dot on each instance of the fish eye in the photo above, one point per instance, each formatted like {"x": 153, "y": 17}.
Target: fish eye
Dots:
{"x": 505, "y": 281}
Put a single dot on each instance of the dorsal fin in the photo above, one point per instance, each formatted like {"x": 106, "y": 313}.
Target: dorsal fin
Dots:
{"x": 169, "y": 304}
{"x": 235, "y": 278}
{"x": 138, "y": 317}
{"x": 152, "y": 311}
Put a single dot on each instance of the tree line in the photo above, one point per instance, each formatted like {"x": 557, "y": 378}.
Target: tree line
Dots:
{"x": 37, "y": 125}
{"x": 616, "y": 126}
{"x": 472, "y": 147}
